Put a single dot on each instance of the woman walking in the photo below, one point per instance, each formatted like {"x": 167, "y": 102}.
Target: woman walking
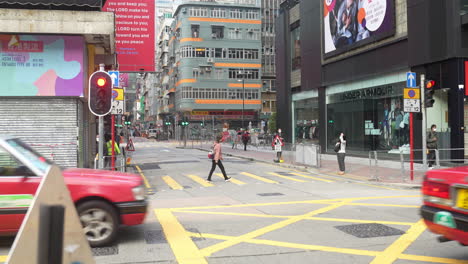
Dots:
{"x": 218, "y": 156}
{"x": 341, "y": 153}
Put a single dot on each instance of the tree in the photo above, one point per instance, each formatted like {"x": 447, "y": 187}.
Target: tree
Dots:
{"x": 272, "y": 123}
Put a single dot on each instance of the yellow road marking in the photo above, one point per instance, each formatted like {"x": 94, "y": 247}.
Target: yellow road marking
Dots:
{"x": 143, "y": 177}
{"x": 286, "y": 177}
{"x": 183, "y": 247}
{"x": 432, "y": 259}
{"x": 387, "y": 205}
{"x": 237, "y": 240}
{"x": 290, "y": 245}
{"x": 235, "y": 181}
{"x": 326, "y": 201}
{"x": 3, "y": 258}
{"x": 319, "y": 174}
{"x": 258, "y": 177}
{"x": 172, "y": 183}
{"x": 391, "y": 253}
{"x": 328, "y": 219}
{"x": 200, "y": 180}
{"x": 376, "y": 186}
{"x": 310, "y": 177}
{"x": 330, "y": 249}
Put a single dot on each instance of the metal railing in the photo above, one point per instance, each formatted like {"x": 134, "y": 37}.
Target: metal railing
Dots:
{"x": 397, "y": 165}
{"x": 120, "y": 161}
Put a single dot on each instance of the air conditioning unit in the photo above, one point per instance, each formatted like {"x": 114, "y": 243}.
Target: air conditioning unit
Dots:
{"x": 237, "y": 29}
{"x": 210, "y": 60}
{"x": 208, "y": 69}
{"x": 250, "y": 30}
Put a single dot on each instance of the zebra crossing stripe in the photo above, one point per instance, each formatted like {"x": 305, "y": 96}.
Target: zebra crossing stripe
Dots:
{"x": 235, "y": 181}
{"x": 172, "y": 183}
{"x": 310, "y": 177}
{"x": 258, "y": 177}
{"x": 199, "y": 180}
{"x": 286, "y": 177}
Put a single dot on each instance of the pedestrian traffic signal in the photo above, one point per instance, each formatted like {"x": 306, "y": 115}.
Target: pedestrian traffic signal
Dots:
{"x": 167, "y": 123}
{"x": 202, "y": 124}
{"x": 429, "y": 93}
{"x": 127, "y": 123}
{"x": 100, "y": 93}
{"x": 184, "y": 123}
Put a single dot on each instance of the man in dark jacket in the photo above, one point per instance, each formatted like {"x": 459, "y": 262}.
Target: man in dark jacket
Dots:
{"x": 245, "y": 139}
{"x": 431, "y": 140}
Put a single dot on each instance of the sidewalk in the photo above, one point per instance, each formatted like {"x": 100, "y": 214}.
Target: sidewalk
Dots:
{"x": 357, "y": 169}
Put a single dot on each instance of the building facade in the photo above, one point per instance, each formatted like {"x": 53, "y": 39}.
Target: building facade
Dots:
{"x": 343, "y": 68}
{"x": 270, "y": 10}
{"x": 45, "y": 68}
{"x": 214, "y": 73}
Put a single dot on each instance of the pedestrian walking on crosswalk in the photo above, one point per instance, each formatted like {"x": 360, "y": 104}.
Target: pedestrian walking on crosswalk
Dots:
{"x": 217, "y": 160}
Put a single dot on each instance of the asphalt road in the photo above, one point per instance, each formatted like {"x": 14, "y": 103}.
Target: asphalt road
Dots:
{"x": 269, "y": 214}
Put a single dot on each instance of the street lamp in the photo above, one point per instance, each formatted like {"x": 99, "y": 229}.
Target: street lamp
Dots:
{"x": 242, "y": 74}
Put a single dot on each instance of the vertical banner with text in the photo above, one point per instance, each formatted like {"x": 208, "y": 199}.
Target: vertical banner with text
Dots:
{"x": 134, "y": 22}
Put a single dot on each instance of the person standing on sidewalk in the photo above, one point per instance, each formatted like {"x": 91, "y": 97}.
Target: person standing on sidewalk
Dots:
{"x": 432, "y": 145}
{"x": 277, "y": 144}
{"x": 341, "y": 153}
{"x": 218, "y": 156}
{"x": 245, "y": 139}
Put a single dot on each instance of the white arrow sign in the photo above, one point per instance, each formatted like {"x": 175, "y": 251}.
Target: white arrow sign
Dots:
{"x": 115, "y": 78}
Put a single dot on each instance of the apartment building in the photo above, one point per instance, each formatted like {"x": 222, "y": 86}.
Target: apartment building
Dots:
{"x": 215, "y": 63}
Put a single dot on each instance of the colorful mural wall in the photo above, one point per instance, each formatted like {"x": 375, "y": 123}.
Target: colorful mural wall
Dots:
{"x": 37, "y": 65}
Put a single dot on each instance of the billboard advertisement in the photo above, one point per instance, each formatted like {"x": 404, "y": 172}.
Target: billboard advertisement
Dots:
{"x": 349, "y": 24}
{"x": 38, "y": 65}
{"x": 134, "y": 22}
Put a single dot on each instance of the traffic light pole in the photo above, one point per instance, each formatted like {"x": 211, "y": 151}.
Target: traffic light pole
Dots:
{"x": 101, "y": 142}
{"x": 424, "y": 122}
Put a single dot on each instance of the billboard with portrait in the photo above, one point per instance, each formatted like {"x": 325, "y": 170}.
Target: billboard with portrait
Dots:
{"x": 349, "y": 24}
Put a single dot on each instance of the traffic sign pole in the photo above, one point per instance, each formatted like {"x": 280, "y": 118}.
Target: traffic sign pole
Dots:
{"x": 113, "y": 142}
{"x": 424, "y": 125}
{"x": 411, "y": 147}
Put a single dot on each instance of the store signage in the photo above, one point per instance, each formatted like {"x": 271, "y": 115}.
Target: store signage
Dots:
{"x": 381, "y": 91}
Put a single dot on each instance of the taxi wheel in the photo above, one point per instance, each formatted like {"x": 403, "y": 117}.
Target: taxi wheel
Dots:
{"x": 100, "y": 222}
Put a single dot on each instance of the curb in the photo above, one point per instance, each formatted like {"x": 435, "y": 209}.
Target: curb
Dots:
{"x": 307, "y": 169}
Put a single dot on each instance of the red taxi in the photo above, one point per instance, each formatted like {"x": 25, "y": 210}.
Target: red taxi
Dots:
{"x": 445, "y": 209}
{"x": 104, "y": 199}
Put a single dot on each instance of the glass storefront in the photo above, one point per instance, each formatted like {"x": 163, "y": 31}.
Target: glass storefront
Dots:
{"x": 371, "y": 118}
{"x": 306, "y": 123}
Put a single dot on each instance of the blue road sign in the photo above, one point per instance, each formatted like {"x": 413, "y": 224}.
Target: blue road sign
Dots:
{"x": 410, "y": 79}
{"x": 115, "y": 77}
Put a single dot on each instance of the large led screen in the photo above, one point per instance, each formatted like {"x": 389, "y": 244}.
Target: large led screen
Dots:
{"x": 349, "y": 24}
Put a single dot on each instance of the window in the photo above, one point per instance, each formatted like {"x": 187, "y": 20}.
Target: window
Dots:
{"x": 217, "y": 32}
{"x": 198, "y": 12}
{"x": 218, "y": 12}
{"x": 251, "y": 15}
{"x": 253, "y": 34}
{"x": 195, "y": 31}
{"x": 196, "y": 73}
{"x": 235, "y": 33}
{"x": 10, "y": 166}
{"x": 200, "y": 52}
{"x": 219, "y": 53}
{"x": 219, "y": 74}
{"x": 235, "y": 13}
{"x": 295, "y": 48}
{"x": 248, "y": 74}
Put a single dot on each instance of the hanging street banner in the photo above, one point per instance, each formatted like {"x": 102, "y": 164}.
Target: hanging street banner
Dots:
{"x": 134, "y": 22}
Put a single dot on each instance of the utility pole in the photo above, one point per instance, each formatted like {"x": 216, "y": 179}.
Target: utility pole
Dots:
{"x": 424, "y": 122}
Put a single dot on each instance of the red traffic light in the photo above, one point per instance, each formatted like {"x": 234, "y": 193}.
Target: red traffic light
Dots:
{"x": 100, "y": 93}
{"x": 101, "y": 82}
{"x": 430, "y": 84}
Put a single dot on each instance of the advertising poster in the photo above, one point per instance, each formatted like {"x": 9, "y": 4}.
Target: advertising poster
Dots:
{"x": 134, "y": 22}
{"x": 352, "y": 23}
{"x": 38, "y": 65}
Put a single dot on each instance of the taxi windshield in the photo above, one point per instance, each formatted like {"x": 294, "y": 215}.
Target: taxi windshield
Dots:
{"x": 31, "y": 155}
